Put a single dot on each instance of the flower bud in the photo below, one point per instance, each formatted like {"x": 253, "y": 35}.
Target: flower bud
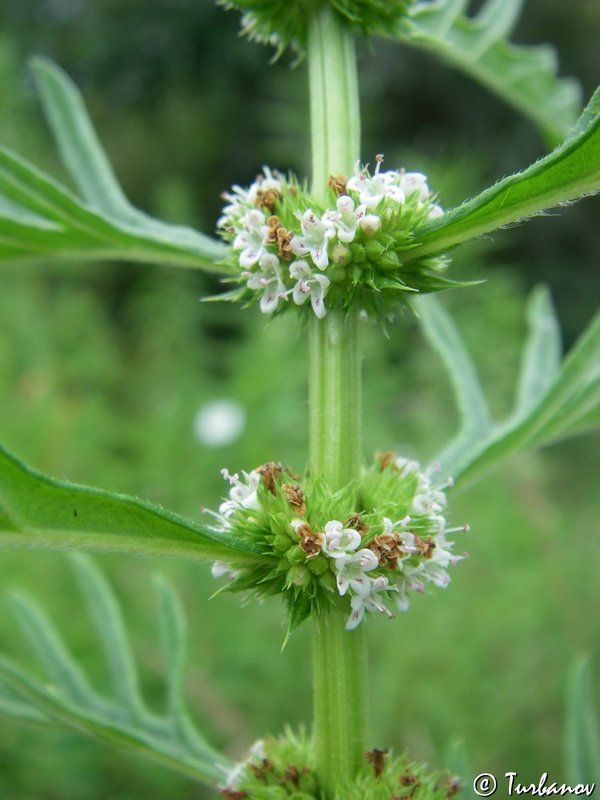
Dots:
{"x": 318, "y": 565}
{"x": 298, "y": 575}
{"x": 340, "y": 254}
{"x": 296, "y": 555}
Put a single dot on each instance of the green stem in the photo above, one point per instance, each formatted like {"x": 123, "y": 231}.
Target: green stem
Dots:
{"x": 339, "y": 656}
{"x": 340, "y": 698}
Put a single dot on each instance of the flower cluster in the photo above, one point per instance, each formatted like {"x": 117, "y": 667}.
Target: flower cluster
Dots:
{"x": 281, "y": 768}
{"x": 365, "y": 546}
{"x": 288, "y": 250}
{"x": 282, "y": 23}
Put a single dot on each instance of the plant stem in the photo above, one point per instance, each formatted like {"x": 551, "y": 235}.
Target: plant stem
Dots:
{"x": 339, "y": 656}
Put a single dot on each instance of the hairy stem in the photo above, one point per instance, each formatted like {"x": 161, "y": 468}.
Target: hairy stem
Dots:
{"x": 339, "y": 656}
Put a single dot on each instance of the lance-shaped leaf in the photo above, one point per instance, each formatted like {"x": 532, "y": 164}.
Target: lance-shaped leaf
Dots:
{"x": 40, "y": 512}
{"x": 523, "y": 76}
{"x": 582, "y": 734}
{"x": 475, "y": 418}
{"x": 66, "y": 697}
{"x": 553, "y": 400}
{"x": 569, "y": 172}
{"x": 40, "y": 218}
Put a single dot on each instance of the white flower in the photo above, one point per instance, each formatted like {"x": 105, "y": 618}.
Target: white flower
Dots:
{"x": 370, "y": 224}
{"x": 368, "y": 602}
{"x": 241, "y": 494}
{"x": 351, "y": 571}
{"x": 339, "y": 541}
{"x": 309, "y": 284}
{"x": 429, "y": 502}
{"x": 415, "y": 183}
{"x": 252, "y": 239}
{"x": 264, "y": 183}
{"x": 269, "y": 280}
{"x": 372, "y": 190}
{"x": 345, "y": 218}
{"x": 435, "y": 212}
{"x": 317, "y": 233}
{"x": 238, "y": 201}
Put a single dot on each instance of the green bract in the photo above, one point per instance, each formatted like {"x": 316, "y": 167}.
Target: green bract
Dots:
{"x": 374, "y": 540}
{"x": 288, "y": 248}
{"x": 277, "y": 769}
{"x": 285, "y": 22}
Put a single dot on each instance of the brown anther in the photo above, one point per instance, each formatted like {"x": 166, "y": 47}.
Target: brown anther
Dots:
{"x": 377, "y": 758}
{"x": 355, "y": 521}
{"x": 267, "y": 199}
{"x": 310, "y": 541}
{"x": 291, "y": 774}
{"x": 425, "y": 547}
{"x": 337, "y": 183}
{"x": 386, "y": 547}
{"x": 258, "y": 772}
{"x": 295, "y": 497}
{"x": 270, "y": 472}
{"x": 233, "y": 794}
{"x": 385, "y": 459}
{"x": 280, "y": 236}
{"x": 452, "y": 785}
{"x": 273, "y": 224}
{"x": 284, "y": 242}
{"x": 409, "y": 779}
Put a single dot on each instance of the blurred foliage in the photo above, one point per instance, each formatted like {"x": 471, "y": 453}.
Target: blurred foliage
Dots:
{"x": 103, "y": 370}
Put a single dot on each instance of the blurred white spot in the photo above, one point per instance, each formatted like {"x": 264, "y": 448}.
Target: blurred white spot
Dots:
{"x": 219, "y": 422}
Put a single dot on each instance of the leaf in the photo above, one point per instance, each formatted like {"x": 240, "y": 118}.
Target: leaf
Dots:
{"x": 551, "y": 403}
{"x": 41, "y": 218}
{"x": 582, "y": 737}
{"x": 456, "y": 759}
{"x": 568, "y": 173}
{"x": 58, "y": 699}
{"x": 542, "y": 352}
{"x": 40, "y": 512}
{"x": 475, "y": 419}
{"x": 77, "y": 142}
{"x": 525, "y": 77}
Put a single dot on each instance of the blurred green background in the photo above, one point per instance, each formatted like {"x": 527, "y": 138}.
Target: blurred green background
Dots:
{"x": 103, "y": 370}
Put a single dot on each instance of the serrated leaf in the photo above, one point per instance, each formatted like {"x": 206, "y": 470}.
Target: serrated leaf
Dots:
{"x": 77, "y": 142}
{"x": 106, "y": 616}
{"x": 45, "y": 513}
{"x": 558, "y": 405}
{"x": 475, "y": 419}
{"x": 41, "y": 218}
{"x": 523, "y": 76}
{"x": 582, "y": 735}
{"x": 172, "y": 740}
{"x": 568, "y": 173}
{"x": 541, "y": 357}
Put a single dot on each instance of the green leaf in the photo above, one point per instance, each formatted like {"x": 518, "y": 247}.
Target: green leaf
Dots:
{"x": 475, "y": 419}
{"x": 40, "y": 512}
{"x": 549, "y": 407}
{"x": 542, "y": 352}
{"x": 41, "y": 218}
{"x": 106, "y": 615}
{"x": 456, "y": 759}
{"x": 77, "y": 142}
{"x": 582, "y": 736}
{"x": 66, "y": 698}
{"x": 525, "y": 77}
{"x": 568, "y": 173}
